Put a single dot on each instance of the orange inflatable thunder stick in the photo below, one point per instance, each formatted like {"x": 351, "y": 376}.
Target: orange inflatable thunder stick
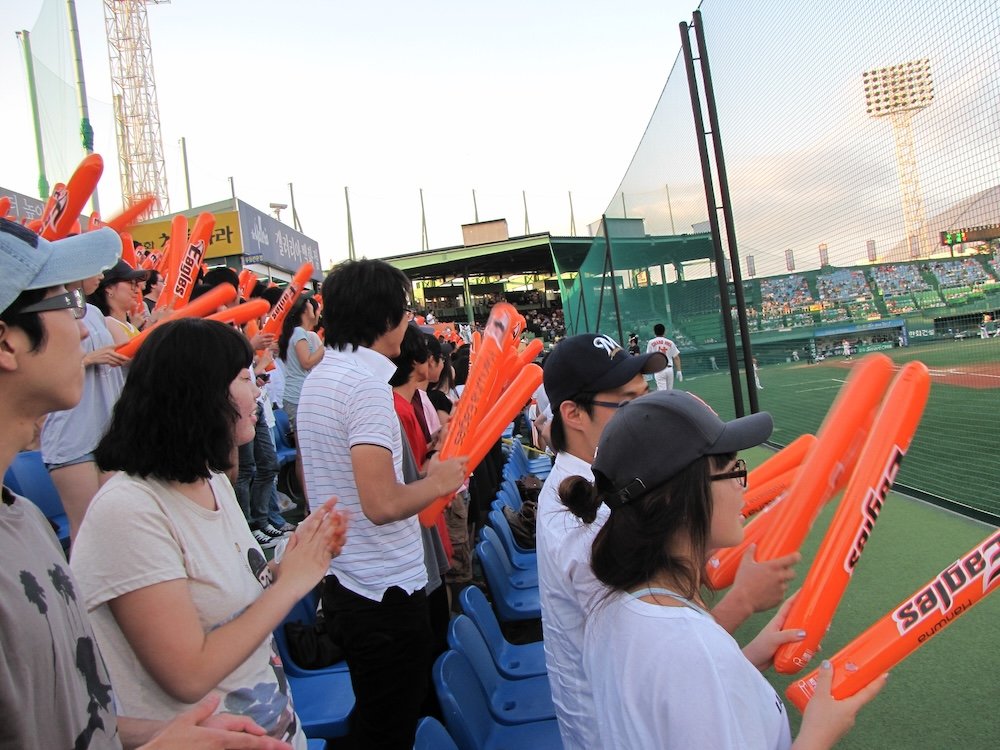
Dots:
{"x": 782, "y": 528}
{"x": 757, "y": 497}
{"x": 873, "y": 477}
{"x": 243, "y": 313}
{"x": 789, "y": 457}
{"x": 288, "y": 298}
{"x": 206, "y": 304}
{"x": 917, "y": 619}
{"x": 474, "y": 403}
{"x": 63, "y": 208}
{"x": 184, "y": 260}
{"x": 838, "y": 444}
{"x": 130, "y": 215}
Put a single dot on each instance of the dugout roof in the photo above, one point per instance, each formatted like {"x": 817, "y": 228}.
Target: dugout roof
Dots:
{"x": 538, "y": 254}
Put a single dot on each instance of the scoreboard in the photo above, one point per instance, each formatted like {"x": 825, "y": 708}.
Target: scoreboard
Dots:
{"x": 971, "y": 234}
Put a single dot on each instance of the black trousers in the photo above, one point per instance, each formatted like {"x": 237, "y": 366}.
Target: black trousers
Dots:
{"x": 387, "y": 645}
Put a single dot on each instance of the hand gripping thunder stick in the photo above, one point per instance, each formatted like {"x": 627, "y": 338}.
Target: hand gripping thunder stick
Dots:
{"x": 854, "y": 521}
{"x": 928, "y": 611}
{"x": 206, "y": 304}
{"x": 826, "y": 469}
{"x": 474, "y": 402}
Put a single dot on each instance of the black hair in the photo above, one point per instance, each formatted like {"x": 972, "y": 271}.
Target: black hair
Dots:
{"x": 174, "y": 419}
{"x": 271, "y": 294}
{"x": 557, "y": 429}
{"x": 292, "y": 320}
{"x": 221, "y": 275}
{"x": 637, "y": 543}
{"x": 439, "y": 401}
{"x": 362, "y": 300}
{"x": 258, "y": 288}
{"x": 30, "y": 323}
{"x": 659, "y": 329}
{"x": 413, "y": 349}
{"x": 460, "y": 361}
{"x": 154, "y": 278}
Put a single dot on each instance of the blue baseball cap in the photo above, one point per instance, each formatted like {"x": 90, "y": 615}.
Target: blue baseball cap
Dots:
{"x": 30, "y": 262}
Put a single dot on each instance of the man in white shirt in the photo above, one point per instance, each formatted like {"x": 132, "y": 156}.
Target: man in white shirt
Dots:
{"x": 351, "y": 446}
{"x": 660, "y": 343}
{"x": 587, "y": 377}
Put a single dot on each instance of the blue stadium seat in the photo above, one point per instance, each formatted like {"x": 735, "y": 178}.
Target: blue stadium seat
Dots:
{"x": 28, "y": 477}
{"x": 468, "y": 718}
{"x": 324, "y": 703}
{"x": 432, "y": 736}
{"x": 511, "y": 603}
{"x": 513, "y": 660}
{"x": 520, "y": 578}
{"x": 316, "y": 745}
{"x": 510, "y": 701}
{"x": 304, "y": 611}
{"x": 284, "y": 451}
{"x": 520, "y": 558}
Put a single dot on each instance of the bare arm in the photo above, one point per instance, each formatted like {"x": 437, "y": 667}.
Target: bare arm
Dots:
{"x": 308, "y": 359}
{"x": 162, "y": 626}
{"x": 384, "y": 500}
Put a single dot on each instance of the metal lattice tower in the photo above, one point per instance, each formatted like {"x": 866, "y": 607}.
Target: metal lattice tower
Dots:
{"x": 899, "y": 92}
{"x": 137, "y": 114}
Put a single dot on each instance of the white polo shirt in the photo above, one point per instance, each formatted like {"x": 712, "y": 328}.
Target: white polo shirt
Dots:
{"x": 568, "y": 592}
{"x": 346, "y": 401}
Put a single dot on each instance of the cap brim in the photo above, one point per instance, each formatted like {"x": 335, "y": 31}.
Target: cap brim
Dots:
{"x": 628, "y": 368}
{"x": 78, "y": 257}
{"x": 744, "y": 432}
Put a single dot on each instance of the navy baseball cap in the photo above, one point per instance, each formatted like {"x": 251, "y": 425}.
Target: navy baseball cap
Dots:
{"x": 30, "y": 262}
{"x": 592, "y": 363}
{"x": 652, "y": 438}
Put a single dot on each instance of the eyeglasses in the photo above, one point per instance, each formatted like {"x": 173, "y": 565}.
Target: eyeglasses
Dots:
{"x": 739, "y": 472}
{"x": 611, "y": 404}
{"x": 74, "y": 300}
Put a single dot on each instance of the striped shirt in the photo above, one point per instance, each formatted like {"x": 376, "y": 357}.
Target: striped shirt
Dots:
{"x": 346, "y": 401}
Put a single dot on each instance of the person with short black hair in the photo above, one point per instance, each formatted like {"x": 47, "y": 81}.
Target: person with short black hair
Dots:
{"x": 184, "y": 602}
{"x": 660, "y": 343}
{"x": 351, "y": 446}
{"x": 663, "y": 671}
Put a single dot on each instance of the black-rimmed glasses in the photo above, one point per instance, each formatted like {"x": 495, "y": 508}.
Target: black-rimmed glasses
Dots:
{"x": 611, "y": 404}
{"x": 73, "y": 300}
{"x": 739, "y": 472}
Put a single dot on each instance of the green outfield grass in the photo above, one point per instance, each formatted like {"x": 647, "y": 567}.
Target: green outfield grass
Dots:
{"x": 944, "y": 694}
{"x": 956, "y": 451}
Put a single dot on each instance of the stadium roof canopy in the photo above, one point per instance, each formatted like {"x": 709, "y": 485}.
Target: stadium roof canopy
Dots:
{"x": 538, "y": 253}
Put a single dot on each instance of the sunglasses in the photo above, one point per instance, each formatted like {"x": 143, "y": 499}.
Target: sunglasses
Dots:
{"x": 74, "y": 300}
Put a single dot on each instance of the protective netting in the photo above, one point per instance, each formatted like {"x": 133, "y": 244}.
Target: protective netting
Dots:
{"x": 58, "y": 105}
{"x": 859, "y": 137}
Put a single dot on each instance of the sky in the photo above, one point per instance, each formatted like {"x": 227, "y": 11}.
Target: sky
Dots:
{"x": 385, "y": 98}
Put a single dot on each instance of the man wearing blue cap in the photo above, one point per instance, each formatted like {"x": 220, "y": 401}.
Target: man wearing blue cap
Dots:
{"x": 587, "y": 378}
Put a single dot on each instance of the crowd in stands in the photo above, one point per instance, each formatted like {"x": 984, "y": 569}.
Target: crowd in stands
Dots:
{"x": 895, "y": 280}
{"x": 843, "y": 285}
{"x": 963, "y": 272}
{"x": 784, "y": 295}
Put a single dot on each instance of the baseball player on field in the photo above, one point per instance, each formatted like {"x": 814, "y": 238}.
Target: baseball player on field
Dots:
{"x": 665, "y": 378}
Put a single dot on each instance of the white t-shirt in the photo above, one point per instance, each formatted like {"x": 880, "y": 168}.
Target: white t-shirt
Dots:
{"x": 671, "y": 677}
{"x": 568, "y": 590}
{"x": 346, "y": 401}
{"x": 138, "y": 533}
{"x": 665, "y": 346}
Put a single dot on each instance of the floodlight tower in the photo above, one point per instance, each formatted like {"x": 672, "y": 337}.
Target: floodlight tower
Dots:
{"x": 899, "y": 92}
{"x": 137, "y": 113}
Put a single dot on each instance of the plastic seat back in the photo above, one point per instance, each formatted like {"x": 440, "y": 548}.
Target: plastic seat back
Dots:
{"x": 468, "y": 717}
{"x": 501, "y": 556}
{"x": 432, "y": 736}
{"x": 478, "y": 609}
{"x": 464, "y": 637}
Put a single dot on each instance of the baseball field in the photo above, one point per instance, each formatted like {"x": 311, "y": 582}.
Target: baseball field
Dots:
{"x": 943, "y": 695}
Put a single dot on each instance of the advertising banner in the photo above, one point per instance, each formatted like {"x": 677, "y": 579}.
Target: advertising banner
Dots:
{"x": 266, "y": 240}
{"x": 225, "y": 238}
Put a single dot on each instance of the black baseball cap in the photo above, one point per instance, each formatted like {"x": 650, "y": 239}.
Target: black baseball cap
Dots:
{"x": 652, "y": 438}
{"x": 591, "y": 363}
